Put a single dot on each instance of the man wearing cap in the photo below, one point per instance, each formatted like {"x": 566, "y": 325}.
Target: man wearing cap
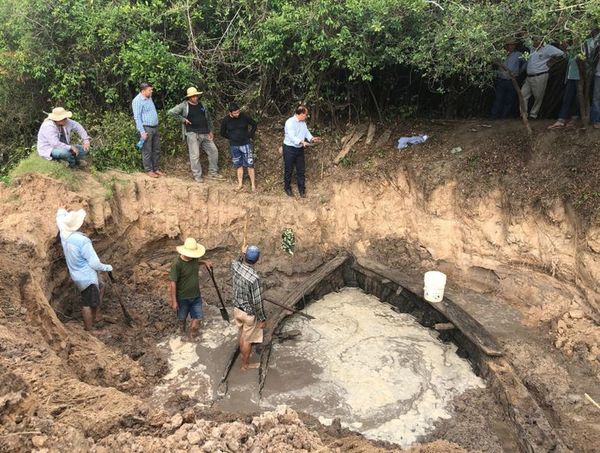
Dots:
{"x": 54, "y": 138}
{"x": 83, "y": 263}
{"x": 249, "y": 312}
{"x": 506, "y": 95}
{"x": 197, "y": 132}
{"x": 146, "y": 122}
{"x": 184, "y": 285}
{"x": 234, "y": 127}
{"x": 297, "y": 137}
{"x": 538, "y": 65}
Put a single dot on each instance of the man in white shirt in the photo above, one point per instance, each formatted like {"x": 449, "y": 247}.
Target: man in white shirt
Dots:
{"x": 538, "y": 65}
{"x": 297, "y": 136}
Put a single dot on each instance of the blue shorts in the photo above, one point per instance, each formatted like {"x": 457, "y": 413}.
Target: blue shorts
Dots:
{"x": 242, "y": 156}
{"x": 193, "y": 307}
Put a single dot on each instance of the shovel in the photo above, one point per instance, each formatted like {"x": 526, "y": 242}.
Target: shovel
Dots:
{"x": 126, "y": 315}
{"x": 304, "y": 315}
{"x": 223, "y": 310}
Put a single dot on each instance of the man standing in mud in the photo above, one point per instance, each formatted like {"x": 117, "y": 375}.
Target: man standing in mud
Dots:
{"x": 184, "y": 285}
{"x": 249, "y": 312}
{"x": 83, "y": 264}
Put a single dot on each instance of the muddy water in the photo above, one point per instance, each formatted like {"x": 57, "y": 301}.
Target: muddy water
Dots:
{"x": 380, "y": 372}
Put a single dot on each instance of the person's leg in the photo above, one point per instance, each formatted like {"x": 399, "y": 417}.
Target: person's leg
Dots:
{"x": 212, "y": 152}
{"x": 526, "y": 94}
{"x": 538, "y": 88}
{"x": 595, "y": 111}
{"x": 97, "y": 316}
{"x": 288, "y": 168}
{"x": 240, "y": 177}
{"x": 183, "y": 309}
{"x": 245, "y": 351}
{"x": 193, "y": 143}
{"x": 252, "y": 178}
{"x": 236, "y": 160}
{"x": 510, "y": 96}
{"x": 63, "y": 154}
{"x": 147, "y": 152}
{"x": 90, "y": 299}
{"x": 498, "y": 103}
{"x": 248, "y": 162}
{"x": 300, "y": 169}
{"x": 88, "y": 318}
{"x": 196, "y": 316}
{"x": 156, "y": 152}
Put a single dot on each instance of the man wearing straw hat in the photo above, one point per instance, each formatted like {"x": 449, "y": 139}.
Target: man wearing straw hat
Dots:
{"x": 54, "y": 138}
{"x": 184, "y": 285}
{"x": 83, "y": 263}
{"x": 249, "y": 312}
{"x": 197, "y": 132}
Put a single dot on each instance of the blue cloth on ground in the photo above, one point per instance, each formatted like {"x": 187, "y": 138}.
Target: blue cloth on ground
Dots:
{"x": 404, "y": 142}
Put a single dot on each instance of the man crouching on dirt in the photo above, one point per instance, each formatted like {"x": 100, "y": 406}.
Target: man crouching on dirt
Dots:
{"x": 249, "y": 313}
{"x": 184, "y": 285}
{"x": 83, "y": 264}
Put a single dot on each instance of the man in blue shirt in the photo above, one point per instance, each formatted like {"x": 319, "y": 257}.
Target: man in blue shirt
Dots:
{"x": 506, "y": 95}
{"x": 146, "y": 122}
{"x": 297, "y": 137}
{"x": 82, "y": 262}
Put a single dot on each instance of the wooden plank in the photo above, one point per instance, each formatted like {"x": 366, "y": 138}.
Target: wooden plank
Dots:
{"x": 463, "y": 321}
{"x": 360, "y": 131}
{"x": 348, "y": 136}
{"x": 370, "y": 133}
{"x": 382, "y": 141}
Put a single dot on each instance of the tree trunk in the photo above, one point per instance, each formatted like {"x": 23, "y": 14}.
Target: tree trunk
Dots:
{"x": 583, "y": 93}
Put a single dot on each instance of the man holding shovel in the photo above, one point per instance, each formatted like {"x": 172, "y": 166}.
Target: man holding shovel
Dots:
{"x": 184, "y": 285}
{"x": 249, "y": 312}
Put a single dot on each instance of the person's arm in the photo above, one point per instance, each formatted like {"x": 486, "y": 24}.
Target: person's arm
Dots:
{"x": 89, "y": 254}
{"x": 257, "y": 302}
{"x": 80, "y": 130}
{"x": 206, "y": 263}
{"x": 253, "y": 125}
{"x": 223, "y": 131}
{"x": 136, "y": 106}
{"x": 307, "y": 135}
{"x": 177, "y": 113}
{"x": 173, "y": 295}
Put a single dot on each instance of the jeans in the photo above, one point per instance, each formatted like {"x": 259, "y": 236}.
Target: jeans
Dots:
{"x": 194, "y": 142}
{"x": 570, "y": 102}
{"x": 192, "y": 307}
{"x": 535, "y": 86}
{"x": 595, "y": 112}
{"x": 293, "y": 157}
{"x": 151, "y": 149}
{"x": 504, "y": 100}
{"x": 65, "y": 154}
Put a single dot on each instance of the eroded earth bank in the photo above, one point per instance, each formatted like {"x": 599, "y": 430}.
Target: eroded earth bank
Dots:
{"x": 529, "y": 276}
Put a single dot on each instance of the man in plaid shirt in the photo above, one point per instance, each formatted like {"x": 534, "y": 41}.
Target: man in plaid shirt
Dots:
{"x": 249, "y": 312}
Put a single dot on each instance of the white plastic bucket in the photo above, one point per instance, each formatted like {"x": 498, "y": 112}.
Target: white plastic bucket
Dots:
{"x": 435, "y": 283}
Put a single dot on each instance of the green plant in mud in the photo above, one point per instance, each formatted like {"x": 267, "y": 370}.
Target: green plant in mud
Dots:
{"x": 55, "y": 169}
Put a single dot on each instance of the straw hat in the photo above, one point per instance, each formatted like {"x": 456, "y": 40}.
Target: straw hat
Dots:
{"x": 191, "y": 249}
{"x": 72, "y": 221}
{"x": 191, "y": 91}
{"x": 59, "y": 114}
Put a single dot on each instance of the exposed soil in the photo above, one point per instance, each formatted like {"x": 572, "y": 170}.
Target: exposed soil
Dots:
{"x": 516, "y": 225}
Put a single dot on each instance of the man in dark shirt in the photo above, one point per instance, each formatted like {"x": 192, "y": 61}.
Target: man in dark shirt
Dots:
{"x": 234, "y": 127}
{"x": 184, "y": 285}
{"x": 197, "y": 132}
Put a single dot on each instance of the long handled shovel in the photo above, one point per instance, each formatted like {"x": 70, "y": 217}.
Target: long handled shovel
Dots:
{"x": 223, "y": 310}
{"x": 126, "y": 315}
{"x": 304, "y": 315}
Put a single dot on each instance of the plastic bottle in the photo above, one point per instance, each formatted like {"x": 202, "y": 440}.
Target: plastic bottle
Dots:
{"x": 140, "y": 144}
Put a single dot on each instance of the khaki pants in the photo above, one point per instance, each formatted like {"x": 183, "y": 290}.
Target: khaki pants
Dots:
{"x": 194, "y": 142}
{"x": 536, "y": 87}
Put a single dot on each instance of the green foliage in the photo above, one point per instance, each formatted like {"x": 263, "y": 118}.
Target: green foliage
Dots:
{"x": 54, "y": 169}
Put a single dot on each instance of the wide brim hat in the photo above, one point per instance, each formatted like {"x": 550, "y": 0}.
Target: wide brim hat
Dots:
{"x": 191, "y": 248}
{"x": 59, "y": 114}
{"x": 192, "y": 92}
{"x": 72, "y": 221}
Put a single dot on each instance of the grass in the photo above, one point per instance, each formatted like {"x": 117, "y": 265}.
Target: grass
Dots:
{"x": 56, "y": 170}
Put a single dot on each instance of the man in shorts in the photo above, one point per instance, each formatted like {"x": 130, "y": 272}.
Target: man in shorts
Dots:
{"x": 249, "y": 312}
{"x": 184, "y": 285}
{"x": 239, "y": 128}
{"x": 83, "y": 264}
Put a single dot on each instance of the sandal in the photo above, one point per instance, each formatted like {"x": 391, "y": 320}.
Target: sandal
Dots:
{"x": 557, "y": 125}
